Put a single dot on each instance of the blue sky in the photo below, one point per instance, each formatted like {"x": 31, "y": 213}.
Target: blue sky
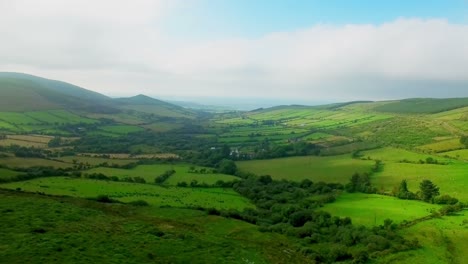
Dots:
{"x": 253, "y": 18}
{"x": 289, "y": 50}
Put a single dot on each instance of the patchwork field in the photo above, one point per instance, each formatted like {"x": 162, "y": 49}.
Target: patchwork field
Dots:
{"x": 327, "y": 169}
{"x": 128, "y": 192}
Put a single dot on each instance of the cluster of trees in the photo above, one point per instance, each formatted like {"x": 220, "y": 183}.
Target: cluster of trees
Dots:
{"x": 360, "y": 183}
{"x": 286, "y": 207}
{"x": 428, "y": 192}
{"x": 103, "y": 177}
{"x": 269, "y": 150}
{"x": 196, "y": 184}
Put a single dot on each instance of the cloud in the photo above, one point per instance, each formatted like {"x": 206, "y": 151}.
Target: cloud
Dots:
{"x": 121, "y": 48}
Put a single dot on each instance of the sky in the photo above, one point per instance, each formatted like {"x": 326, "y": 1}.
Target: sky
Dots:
{"x": 296, "y": 51}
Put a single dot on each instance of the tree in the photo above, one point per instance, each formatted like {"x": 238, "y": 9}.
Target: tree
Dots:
{"x": 464, "y": 141}
{"x": 428, "y": 190}
{"x": 403, "y": 192}
{"x": 227, "y": 167}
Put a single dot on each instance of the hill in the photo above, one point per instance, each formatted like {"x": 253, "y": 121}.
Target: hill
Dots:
{"x": 149, "y": 105}
{"x": 423, "y": 105}
{"x": 23, "y": 92}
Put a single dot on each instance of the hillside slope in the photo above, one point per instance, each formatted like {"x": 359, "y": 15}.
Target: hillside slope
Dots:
{"x": 22, "y": 92}
{"x": 149, "y": 105}
{"x": 423, "y": 105}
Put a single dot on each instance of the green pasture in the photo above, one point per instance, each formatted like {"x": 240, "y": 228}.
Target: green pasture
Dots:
{"x": 452, "y": 179}
{"x": 93, "y": 161}
{"x": 457, "y": 154}
{"x": 127, "y": 192}
{"x": 373, "y": 209}
{"x": 442, "y": 146}
{"x": 15, "y": 162}
{"x": 120, "y": 129}
{"x": 443, "y": 240}
{"x": 327, "y": 169}
{"x": 398, "y": 155}
{"x": 7, "y": 174}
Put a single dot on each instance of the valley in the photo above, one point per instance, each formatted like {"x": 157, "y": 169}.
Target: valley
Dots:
{"x": 145, "y": 180}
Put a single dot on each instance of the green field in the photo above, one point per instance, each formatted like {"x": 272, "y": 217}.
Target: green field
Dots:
{"x": 443, "y": 240}
{"x": 398, "y": 155}
{"x": 457, "y": 154}
{"x": 452, "y": 179}
{"x": 13, "y": 162}
{"x": 150, "y": 172}
{"x": 121, "y": 129}
{"x": 38, "y": 229}
{"x": 93, "y": 161}
{"x": 373, "y": 209}
{"x": 127, "y": 192}
{"x": 7, "y": 174}
{"x": 327, "y": 169}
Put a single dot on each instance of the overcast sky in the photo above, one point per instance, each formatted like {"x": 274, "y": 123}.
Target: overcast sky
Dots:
{"x": 291, "y": 50}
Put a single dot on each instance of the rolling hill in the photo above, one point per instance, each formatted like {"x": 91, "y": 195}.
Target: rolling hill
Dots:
{"x": 423, "y": 105}
{"x": 22, "y": 92}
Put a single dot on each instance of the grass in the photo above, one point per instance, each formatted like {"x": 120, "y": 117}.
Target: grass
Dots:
{"x": 442, "y": 146}
{"x": 14, "y": 162}
{"x": 373, "y": 209}
{"x": 450, "y": 178}
{"x": 150, "y": 172}
{"x": 458, "y": 154}
{"x": 127, "y": 192}
{"x": 397, "y": 155}
{"x": 7, "y": 174}
{"x": 327, "y": 169}
{"x": 443, "y": 240}
{"x": 39, "y": 229}
{"x": 121, "y": 129}
{"x": 93, "y": 161}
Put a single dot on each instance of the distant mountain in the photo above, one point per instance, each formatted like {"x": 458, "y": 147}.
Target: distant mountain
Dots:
{"x": 23, "y": 92}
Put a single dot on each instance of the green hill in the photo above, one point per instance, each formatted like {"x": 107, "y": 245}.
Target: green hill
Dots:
{"x": 423, "y": 105}
{"x": 21, "y": 92}
{"x": 149, "y": 105}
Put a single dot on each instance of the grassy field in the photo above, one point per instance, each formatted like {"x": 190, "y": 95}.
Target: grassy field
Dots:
{"x": 7, "y": 174}
{"x": 442, "y": 146}
{"x": 458, "y": 154}
{"x": 182, "y": 174}
{"x": 93, "y": 161}
{"x": 443, "y": 240}
{"x": 327, "y": 169}
{"x": 373, "y": 209}
{"x": 120, "y": 129}
{"x": 127, "y": 192}
{"x": 14, "y": 162}
{"x": 396, "y": 155}
{"x": 452, "y": 179}
{"x": 38, "y": 229}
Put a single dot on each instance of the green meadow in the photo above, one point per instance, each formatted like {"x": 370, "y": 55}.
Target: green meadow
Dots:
{"x": 128, "y": 192}
{"x": 327, "y": 169}
{"x": 182, "y": 173}
{"x": 373, "y": 209}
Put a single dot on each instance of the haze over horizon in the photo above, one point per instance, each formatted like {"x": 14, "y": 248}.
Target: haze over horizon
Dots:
{"x": 305, "y": 51}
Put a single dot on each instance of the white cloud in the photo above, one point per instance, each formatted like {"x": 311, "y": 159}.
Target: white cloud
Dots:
{"x": 119, "y": 47}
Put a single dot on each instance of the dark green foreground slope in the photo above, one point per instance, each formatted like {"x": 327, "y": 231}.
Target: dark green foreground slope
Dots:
{"x": 43, "y": 229}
